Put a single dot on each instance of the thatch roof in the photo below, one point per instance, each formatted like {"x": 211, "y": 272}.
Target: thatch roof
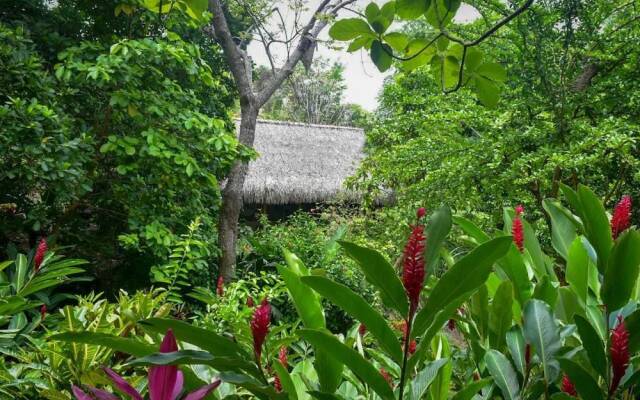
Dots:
{"x": 302, "y": 163}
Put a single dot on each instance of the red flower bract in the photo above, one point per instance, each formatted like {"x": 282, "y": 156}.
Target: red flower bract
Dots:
{"x": 260, "y": 326}
{"x": 412, "y": 346}
{"x": 282, "y": 357}
{"x": 387, "y": 377}
{"x": 621, "y": 219}
{"x": 421, "y": 212}
{"x": 517, "y": 230}
{"x": 619, "y": 352}
{"x": 220, "y": 286}
{"x": 40, "y": 252}
{"x": 43, "y": 311}
{"x": 413, "y": 266}
{"x": 277, "y": 384}
{"x": 250, "y": 302}
{"x": 362, "y": 329}
{"x": 568, "y": 387}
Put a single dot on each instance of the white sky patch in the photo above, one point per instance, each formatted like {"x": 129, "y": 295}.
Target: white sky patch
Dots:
{"x": 362, "y": 78}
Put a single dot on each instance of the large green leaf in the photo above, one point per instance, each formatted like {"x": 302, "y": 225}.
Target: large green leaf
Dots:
{"x": 517, "y": 348}
{"x": 380, "y": 274}
{"x": 472, "y": 389}
{"x": 622, "y": 270}
{"x": 117, "y": 343}
{"x": 352, "y": 359}
{"x": 541, "y": 332}
{"x": 471, "y": 229}
{"x": 285, "y": 379}
{"x": 585, "y": 384}
{"x": 593, "y": 345}
{"x": 21, "y": 272}
{"x": 349, "y": 28}
{"x": 503, "y": 374}
{"x": 381, "y": 55}
{"x": 464, "y": 277}
{"x": 361, "y": 310}
{"x": 596, "y": 225}
{"x": 197, "y": 357}
{"x": 261, "y": 390}
{"x": 424, "y": 378}
{"x": 577, "y": 274}
{"x": 304, "y": 299}
{"x": 563, "y": 228}
{"x": 632, "y": 323}
{"x": 437, "y": 230}
{"x": 411, "y": 9}
{"x": 207, "y": 340}
{"x": 500, "y": 315}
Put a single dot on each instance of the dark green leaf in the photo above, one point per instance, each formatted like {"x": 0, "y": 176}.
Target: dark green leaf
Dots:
{"x": 437, "y": 230}
{"x": 349, "y": 357}
{"x": 360, "y": 309}
{"x": 349, "y": 28}
{"x": 503, "y": 374}
{"x": 596, "y": 225}
{"x": 622, "y": 270}
{"x": 380, "y": 274}
{"x": 541, "y": 331}
{"x": 593, "y": 345}
{"x": 469, "y": 391}
{"x": 117, "y": 343}
{"x": 500, "y": 314}
{"x": 381, "y": 55}
{"x": 517, "y": 348}
{"x": 411, "y": 9}
{"x": 585, "y": 384}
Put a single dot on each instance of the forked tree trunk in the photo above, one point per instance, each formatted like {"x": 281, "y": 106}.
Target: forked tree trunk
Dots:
{"x": 232, "y": 197}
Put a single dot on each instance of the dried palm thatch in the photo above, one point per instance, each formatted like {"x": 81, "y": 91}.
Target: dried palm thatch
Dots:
{"x": 302, "y": 163}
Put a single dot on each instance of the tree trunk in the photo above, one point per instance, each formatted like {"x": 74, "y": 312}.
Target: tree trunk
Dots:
{"x": 232, "y": 197}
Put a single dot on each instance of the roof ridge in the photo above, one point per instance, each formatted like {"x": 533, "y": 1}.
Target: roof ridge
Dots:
{"x": 293, "y": 123}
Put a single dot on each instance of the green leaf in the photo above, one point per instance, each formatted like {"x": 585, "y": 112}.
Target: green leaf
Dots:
{"x": 596, "y": 225}
{"x": 500, "y": 314}
{"x": 437, "y": 230}
{"x": 471, "y": 389}
{"x": 517, "y": 348}
{"x": 541, "y": 331}
{"x": 471, "y": 229}
{"x": 304, "y": 299}
{"x": 546, "y": 291}
{"x": 207, "y": 340}
{"x": 585, "y": 384}
{"x": 503, "y": 374}
{"x": 441, "y": 12}
{"x": 493, "y": 71}
{"x": 358, "y": 308}
{"x": 349, "y": 28}
{"x": 593, "y": 345}
{"x": 371, "y": 11}
{"x": 464, "y": 277}
{"x": 352, "y": 359}
{"x": 411, "y": 9}
{"x": 259, "y": 389}
{"x": 398, "y": 41}
{"x": 577, "y": 273}
{"x": 21, "y": 271}
{"x": 417, "y": 53}
{"x": 380, "y": 274}
{"x": 285, "y": 379}
{"x": 563, "y": 228}
{"x": 424, "y": 378}
{"x": 358, "y": 43}
{"x": 622, "y": 270}
{"x": 116, "y": 343}
{"x": 632, "y": 323}
{"x": 381, "y": 55}
{"x": 196, "y": 357}
{"x": 487, "y": 91}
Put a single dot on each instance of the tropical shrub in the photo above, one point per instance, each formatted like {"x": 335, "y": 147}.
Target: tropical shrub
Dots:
{"x": 529, "y": 325}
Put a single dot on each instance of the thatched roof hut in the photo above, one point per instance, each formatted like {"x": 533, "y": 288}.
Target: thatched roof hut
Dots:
{"x": 302, "y": 163}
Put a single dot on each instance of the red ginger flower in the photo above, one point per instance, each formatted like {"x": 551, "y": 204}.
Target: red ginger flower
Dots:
{"x": 412, "y": 346}
{"x": 387, "y": 377}
{"x": 527, "y": 354}
{"x": 362, "y": 329}
{"x": 282, "y": 357}
{"x": 517, "y": 229}
{"x": 568, "y": 387}
{"x": 421, "y": 212}
{"x": 277, "y": 384}
{"x": 413, "y": 267}
{"x": 619, "y": 352}
{"x": 621, "y": 219}
{"x": 250, "y": 302}
{"x": 43, "y": 311}
{"x": 40, "y": 252}
{"x": 260, "y": 326}
{"x": 220, "y": 286}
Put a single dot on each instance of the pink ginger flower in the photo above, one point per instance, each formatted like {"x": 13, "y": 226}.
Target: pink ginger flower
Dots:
{"x": 517, "y": 229}
{"x": 165, "y": 381}
{"x": 260, "y": 326}
{"x": 413, "y": 267}
{"x": 621, "y": 219}
{"x": 40, "y": 252}
{"x": 220, "y": 286}
{"x": 282, "y": 357}
{"x": 619, "y": 353}
{"x": 568, "y": 387}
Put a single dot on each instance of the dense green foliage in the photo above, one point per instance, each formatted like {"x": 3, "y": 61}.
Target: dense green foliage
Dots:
{"x": 555, "y": 123}
{"x": 114, "y": 137}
